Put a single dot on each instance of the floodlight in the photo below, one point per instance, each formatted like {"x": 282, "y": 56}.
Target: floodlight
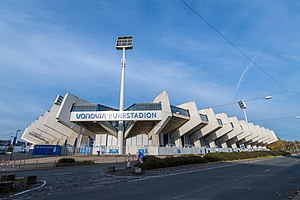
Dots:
{"x": 242, "y": 104}
{"x": 124, "y": 42}
{"x": 268, "y": 97}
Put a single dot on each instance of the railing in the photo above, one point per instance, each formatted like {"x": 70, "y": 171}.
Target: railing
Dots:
{"x": 98, "y": 107}
{"x": 144, "y": 106}
{"x": 180, "y": 111}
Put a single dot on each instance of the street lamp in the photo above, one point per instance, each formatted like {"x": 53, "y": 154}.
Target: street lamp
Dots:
{"x": 11, "y": 141}
{"x": 268, "y": 97}
{"x": 243, "y": 106}
{"x": 123, "y": 43}
{"x": 13, "y": 144}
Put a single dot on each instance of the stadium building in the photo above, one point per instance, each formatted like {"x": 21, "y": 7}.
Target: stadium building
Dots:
{"x": 157, "y": 128}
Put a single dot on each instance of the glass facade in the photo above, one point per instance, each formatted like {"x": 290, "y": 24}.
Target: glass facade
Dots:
{"x": 144, "y": 106}
{"x": 204, "y": 142}
{"x": 180, "y": 111}
{"x": 204, "y": 117}
{"x": 98, "y": 107}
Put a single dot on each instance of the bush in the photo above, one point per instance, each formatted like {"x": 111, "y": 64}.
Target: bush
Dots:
{"x": 226, "y": 156}
{"x": 152, "y": 162}
{"x": 66, "y": 160}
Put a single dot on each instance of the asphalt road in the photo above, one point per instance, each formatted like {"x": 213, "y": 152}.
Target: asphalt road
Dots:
{"x": 268, "y": 179}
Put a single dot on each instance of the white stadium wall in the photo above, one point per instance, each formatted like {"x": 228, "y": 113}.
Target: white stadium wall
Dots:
{"x": 158, "y": 129}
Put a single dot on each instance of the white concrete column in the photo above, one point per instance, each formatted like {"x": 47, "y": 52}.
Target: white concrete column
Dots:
{"x": 224, "y": 145}
{"x": 121, "y": 123}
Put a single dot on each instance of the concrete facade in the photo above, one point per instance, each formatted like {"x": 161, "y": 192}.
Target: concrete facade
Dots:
{"x": 75, "y": 122}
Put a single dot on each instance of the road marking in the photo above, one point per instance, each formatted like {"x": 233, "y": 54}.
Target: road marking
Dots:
{"x": 177, "y": 197}
{"x": 66, "y": 173}
{"x": 247, "y": 176}
{"x": 44, "y": 183}
{"x": 184, "y": 172}
{"x": 289, "y": 164}
{"x": 95, "y": 170}
{"x": 244, "y": 177}
{"x": 267, "y": 170}
{"x": 92, "y": 187}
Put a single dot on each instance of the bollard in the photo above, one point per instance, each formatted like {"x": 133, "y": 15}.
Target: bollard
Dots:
{"x": 36, "y": 163}
{"x": 128, "y": 162}
{"x": 20, "y": 164}
{"x": 111, "y": 169}
{"x": 14, "y": 163}
{"x": 31, "y": 180}
{"x": 137, "y": 170}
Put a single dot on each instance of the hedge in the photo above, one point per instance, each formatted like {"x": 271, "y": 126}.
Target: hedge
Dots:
{"x": 65, "y": 162}
{"x": 152, "y": 162}
{"x": 214, "y": 157}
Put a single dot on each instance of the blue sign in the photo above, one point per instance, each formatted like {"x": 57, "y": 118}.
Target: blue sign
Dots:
{"x": 114, "y": 151}
{"x": 46, "y": 150}
{"x": 141, "y": 156}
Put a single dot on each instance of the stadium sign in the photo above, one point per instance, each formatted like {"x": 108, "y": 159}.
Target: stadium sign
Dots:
{"x": 115, "y": 116}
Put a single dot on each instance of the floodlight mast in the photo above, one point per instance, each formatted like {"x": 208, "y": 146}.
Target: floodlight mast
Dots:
{"x": 245, "y": 114}
{"x": 123, "y": 43}
{"x": 243, "y": 106}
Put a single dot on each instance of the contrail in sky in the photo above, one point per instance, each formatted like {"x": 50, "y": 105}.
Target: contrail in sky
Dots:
{"x": 243, "y": 75}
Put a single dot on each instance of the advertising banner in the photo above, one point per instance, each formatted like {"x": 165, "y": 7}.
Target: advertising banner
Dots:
{"x": 145, "y": 115}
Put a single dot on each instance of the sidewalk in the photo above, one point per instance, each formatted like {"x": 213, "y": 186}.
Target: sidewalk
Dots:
{"x": 49, "y": 162}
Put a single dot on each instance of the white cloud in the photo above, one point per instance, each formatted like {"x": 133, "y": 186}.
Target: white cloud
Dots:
{"x": 41, "y": 53}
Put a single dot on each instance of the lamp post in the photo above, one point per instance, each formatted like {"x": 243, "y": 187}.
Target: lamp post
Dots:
{"x": 243, "y": 106}
{"x": 13, "y": 144}
{"x": 123, "y": 43}
{"x": 11, "y": 140}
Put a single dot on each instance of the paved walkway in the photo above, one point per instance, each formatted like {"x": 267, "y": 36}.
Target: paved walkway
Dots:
{"x": 223, "y": 180}
{"x": 49, "y": 162}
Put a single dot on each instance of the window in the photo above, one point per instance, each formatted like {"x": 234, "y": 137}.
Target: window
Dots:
{"x": 180, "y": 111}
{"x": 145, "y": 106}
{"x": 220, "y": 122}
{"x": 204, "y": 117}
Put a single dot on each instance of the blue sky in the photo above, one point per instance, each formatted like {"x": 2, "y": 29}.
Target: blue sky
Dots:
{"x": 54, "y": 47}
